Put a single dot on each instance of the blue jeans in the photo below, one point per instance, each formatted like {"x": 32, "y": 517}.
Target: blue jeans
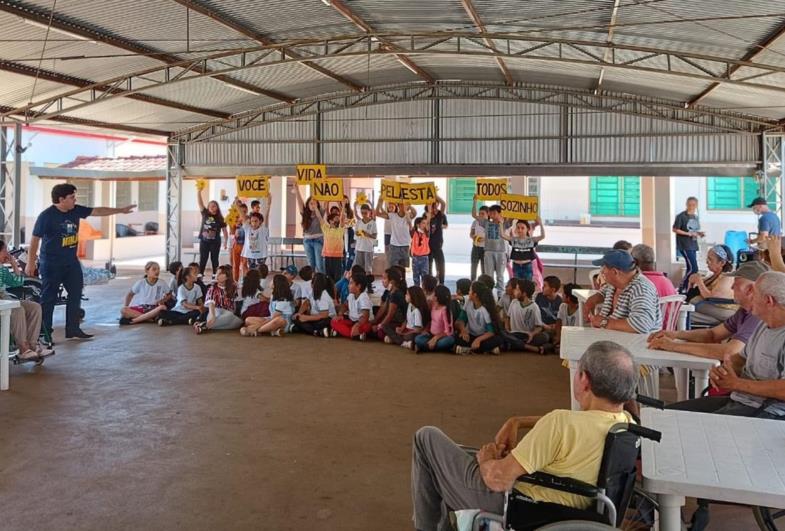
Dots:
{"x": 313, "y": 252}
{"x": 522, "y": 270}
{"x": 691, "y": 258}
{"x": 70, "y": 276}
{"x": 444, "y": 344}
{"x": 419, "y": 268}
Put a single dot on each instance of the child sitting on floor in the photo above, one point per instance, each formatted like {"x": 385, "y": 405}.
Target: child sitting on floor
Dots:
{"x": 438, "y": 335}
{"x": 147, "y": 298}
{"x": 356, "y": 322}
{"x": 479, "y": 327}
{"x": 429, "y": 283}
{"x": 251, "y": 302}
{"x": 568, "y": 312}
{"x": 393, "y": 308}
{"x": 549, "y": 300}
{"x": 174, "y": 269}
{"x": 189, "y": 305}
{"x": 281, "y": 311}
{"x": 219, "y": 304}
{"x": 342, "y": 286}
{"x": 460, "y": 298}
{"x": 316, "y": 313}
{"x": 418, "y": 317}
{"x": 525, "y": 327}
{"x": 199, "y": 280}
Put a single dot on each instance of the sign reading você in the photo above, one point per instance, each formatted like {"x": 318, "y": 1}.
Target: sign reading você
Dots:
{"x": 253, "y": 185}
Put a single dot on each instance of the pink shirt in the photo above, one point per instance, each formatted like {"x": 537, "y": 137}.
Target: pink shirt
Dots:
{"x": 661, "y": 283}
{"x": 440, "y": 324}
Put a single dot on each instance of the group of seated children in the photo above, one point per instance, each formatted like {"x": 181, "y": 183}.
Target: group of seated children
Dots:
{"x": 423, "y": 318}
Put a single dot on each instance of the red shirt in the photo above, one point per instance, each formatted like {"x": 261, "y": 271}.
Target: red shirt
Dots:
{"x": 421, "y": 245}
{"x": 661, "y": 283}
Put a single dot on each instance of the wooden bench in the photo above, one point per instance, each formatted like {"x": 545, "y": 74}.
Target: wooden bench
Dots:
{"x": 572, "y": 253}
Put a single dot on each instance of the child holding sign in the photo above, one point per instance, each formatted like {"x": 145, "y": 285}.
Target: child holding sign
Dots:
{"x": 334, "y": 231}
{"x": 257, "y": 234}
{"x": 495, "y": 258}
{"x": 523, "y": 244}
{"x": 477, "y": 234}
{"x": 365, "y": 232}
{"x": 313, "y": 238}
{"x": 421, "y": 249}
{"x": 400, "y": 232}
{"x": 210, "y": 231}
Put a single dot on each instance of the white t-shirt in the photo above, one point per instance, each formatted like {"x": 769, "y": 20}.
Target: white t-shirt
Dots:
{"x": 358, "y": 304}
{"x": 306, "y": 290}
{"x": 413, "y": 317}
{"x": 249, "y": 301}
{"x": 147, "y": 294}
{"x": 364, "y": 243}
{"x": 479, "y": 232}
{"x": 325, "y": 302}
{"x": 478, "y": 319}
{"x": 565, "y": 317}
{"x": 255, "y": 246}
{"x": 191, "y": 296}
{"x": 524, "y": 318}
{"x": 399, "y": 230}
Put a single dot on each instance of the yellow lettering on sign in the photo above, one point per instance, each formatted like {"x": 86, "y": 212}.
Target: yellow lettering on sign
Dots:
{"x": 525, "y": 207}
{"x": 308, "y": 173}
{"x": 253, "y": 185}
{"x": 418, "y": 193}
{"x": 490, "y": 189}
{"x": 330, "y": 189}
{"x": 391, "y": 190}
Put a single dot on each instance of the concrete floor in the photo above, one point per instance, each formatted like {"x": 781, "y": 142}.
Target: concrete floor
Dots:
{"x": 148, "y": 428}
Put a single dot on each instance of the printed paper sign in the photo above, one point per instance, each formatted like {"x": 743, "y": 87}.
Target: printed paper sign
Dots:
{"x": 391, "y": 190}
{"x": 329, "y": 189}
{"x": 490, "y": 189}
{"x": 307, "y": 173}
{"x": 253, "y": 185}
{"x": 525, "y": 207}
{"x": 417, "y": 193}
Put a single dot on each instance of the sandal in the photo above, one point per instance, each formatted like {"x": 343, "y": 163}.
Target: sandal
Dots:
{"x": 200, "y": 327}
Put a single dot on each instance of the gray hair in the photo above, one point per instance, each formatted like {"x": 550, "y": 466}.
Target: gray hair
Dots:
{"x": 643, "y": 254}
{"x": 772, "y": 283}
{"x": 612, "y": 371}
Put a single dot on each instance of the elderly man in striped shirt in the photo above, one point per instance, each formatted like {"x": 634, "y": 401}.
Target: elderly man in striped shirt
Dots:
{"x": 628, "y": 302}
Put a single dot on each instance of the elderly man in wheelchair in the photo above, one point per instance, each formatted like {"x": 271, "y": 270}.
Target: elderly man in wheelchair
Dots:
{"x": 559, "y": 471}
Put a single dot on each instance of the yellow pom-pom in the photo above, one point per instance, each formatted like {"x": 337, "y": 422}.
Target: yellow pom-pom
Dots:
{"x": 362, "y": 199}
{"x": 201, "y": 184}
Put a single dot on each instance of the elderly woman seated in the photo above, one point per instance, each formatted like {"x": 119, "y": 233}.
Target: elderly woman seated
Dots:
{"x": 25, "y": 320}
{"x": 713, "y": 295}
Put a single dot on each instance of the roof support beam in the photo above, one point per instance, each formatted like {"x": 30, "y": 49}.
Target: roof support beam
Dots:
{"x": 90, "y": 123}
{"x": 468, "y": 6}
{"x": 47, "y": 75}
{"x": 264, "y": 40}
{"x": 410, "y": 65}
{"x": 42, "y": 17}
{"x": 749, "y": 57}
{"x": 607, "y": 56}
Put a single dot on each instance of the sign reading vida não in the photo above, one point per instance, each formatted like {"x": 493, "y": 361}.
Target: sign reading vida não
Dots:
{"x": 253, "y": 185}
{"x": 410, "y": 193}
{"x": 525, "y": 207}
{"x": 328, "y": 189}
{"x": 308, "y": 173}
{"x": 490, "y": 189}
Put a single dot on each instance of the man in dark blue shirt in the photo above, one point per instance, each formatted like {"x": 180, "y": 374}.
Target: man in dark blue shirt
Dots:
{"x": 56, "y": 232}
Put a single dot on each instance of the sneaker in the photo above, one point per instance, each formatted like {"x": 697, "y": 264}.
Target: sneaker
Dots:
{"x": 496, "y": 351}
{"x": 162, "y": 322}
{"x": 407, "y": 345}
{"x": 191, "y": 321}
{"x": 361, "y": 337}
{"x": 125, "y": 321}
{"x": 387, "y": 340}
{"x": 243, "y": 331}
{"x": 276, "y": 333}
{"x": 326, "y": 332}
{"x": 463, "y": 351}
{"x": 333, "y": 333}
{"x": 29, "y": 355}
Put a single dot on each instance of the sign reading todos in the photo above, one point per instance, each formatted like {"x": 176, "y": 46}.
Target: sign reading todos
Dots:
{"x": 253, "y": 185}
{"x": 525, "y": 207}
{"x": 411, "y": 193}
{"x": 308, "y": 173}
{"x": 490, "y": 189}
{"x": 328, "y": 189}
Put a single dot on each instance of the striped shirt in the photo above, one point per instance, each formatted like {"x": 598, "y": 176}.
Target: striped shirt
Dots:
{"x": 638, "y": 304}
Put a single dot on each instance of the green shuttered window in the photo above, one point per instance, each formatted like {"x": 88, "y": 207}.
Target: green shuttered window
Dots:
{"x": 730, "y": 193}
{"x": 615, "y": 196}
{"x": 460, "y": 194}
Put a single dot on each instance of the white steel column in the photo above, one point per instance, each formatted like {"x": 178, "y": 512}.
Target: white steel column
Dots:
{"x": 174, "y": 200}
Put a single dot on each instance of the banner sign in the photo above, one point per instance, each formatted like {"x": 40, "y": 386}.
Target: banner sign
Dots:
{"x": 411, "y": 193}
{"x": 490, "y": 189}
{"x": 253, "y": 185}
{"x": 327, "y": 189}
{"x": 525, "y": 207}
{"x": 307, "y": 173}
{"x": 390, "y": 190}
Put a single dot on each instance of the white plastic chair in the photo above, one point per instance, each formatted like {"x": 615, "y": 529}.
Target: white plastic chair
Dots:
{"x": 669, "y": 309}
{"x": 594, "y": 276}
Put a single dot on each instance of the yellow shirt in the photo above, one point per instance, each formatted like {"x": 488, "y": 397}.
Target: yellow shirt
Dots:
{"x": 565, "y": 443}
{"x": 333, "y": 241}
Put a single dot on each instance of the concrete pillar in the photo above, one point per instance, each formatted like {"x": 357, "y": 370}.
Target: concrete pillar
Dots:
{"x": 648, "y": 212}
{"x": 663, "y": 221}
{"x": 518, "y": 185}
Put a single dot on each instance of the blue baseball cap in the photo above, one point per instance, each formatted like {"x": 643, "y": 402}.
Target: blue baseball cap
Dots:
{"x": 617, "y": 259}
{"x": 291, "y": 269}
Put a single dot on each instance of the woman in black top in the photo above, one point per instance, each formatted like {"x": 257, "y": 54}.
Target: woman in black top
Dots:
{"x": 213, "y": 225}
{"x": 687, "y": 229}
{"x": 438, "y": 224}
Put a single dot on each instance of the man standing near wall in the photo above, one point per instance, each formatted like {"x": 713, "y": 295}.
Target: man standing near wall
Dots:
{"x": 56, "y": 232}
{"x": 768, "y": 222}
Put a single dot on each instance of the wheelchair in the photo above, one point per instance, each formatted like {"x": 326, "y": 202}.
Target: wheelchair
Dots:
{"x": 611, "y": 495}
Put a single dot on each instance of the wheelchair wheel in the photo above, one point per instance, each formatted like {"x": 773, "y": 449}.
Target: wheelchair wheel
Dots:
{"x": 766, "y": 518}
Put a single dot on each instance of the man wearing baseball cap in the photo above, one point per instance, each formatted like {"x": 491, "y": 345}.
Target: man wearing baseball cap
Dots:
{"x": 727, "y": 338}
{"x": 768, "y": 222}
{"x": 635, "y": 309}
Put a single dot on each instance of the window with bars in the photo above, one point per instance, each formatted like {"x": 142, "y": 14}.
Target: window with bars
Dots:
{"x": 85, "y": 191}
{"x": 148, "y": 195}
{"x": 123, "y": 193}
{"x": 460, "y": 195}
{"x": 615, "y": 196}
{"x": 730, "y": 193}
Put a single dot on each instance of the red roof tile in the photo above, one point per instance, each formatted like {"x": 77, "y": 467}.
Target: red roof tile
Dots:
{"x": 150, "y": 163}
